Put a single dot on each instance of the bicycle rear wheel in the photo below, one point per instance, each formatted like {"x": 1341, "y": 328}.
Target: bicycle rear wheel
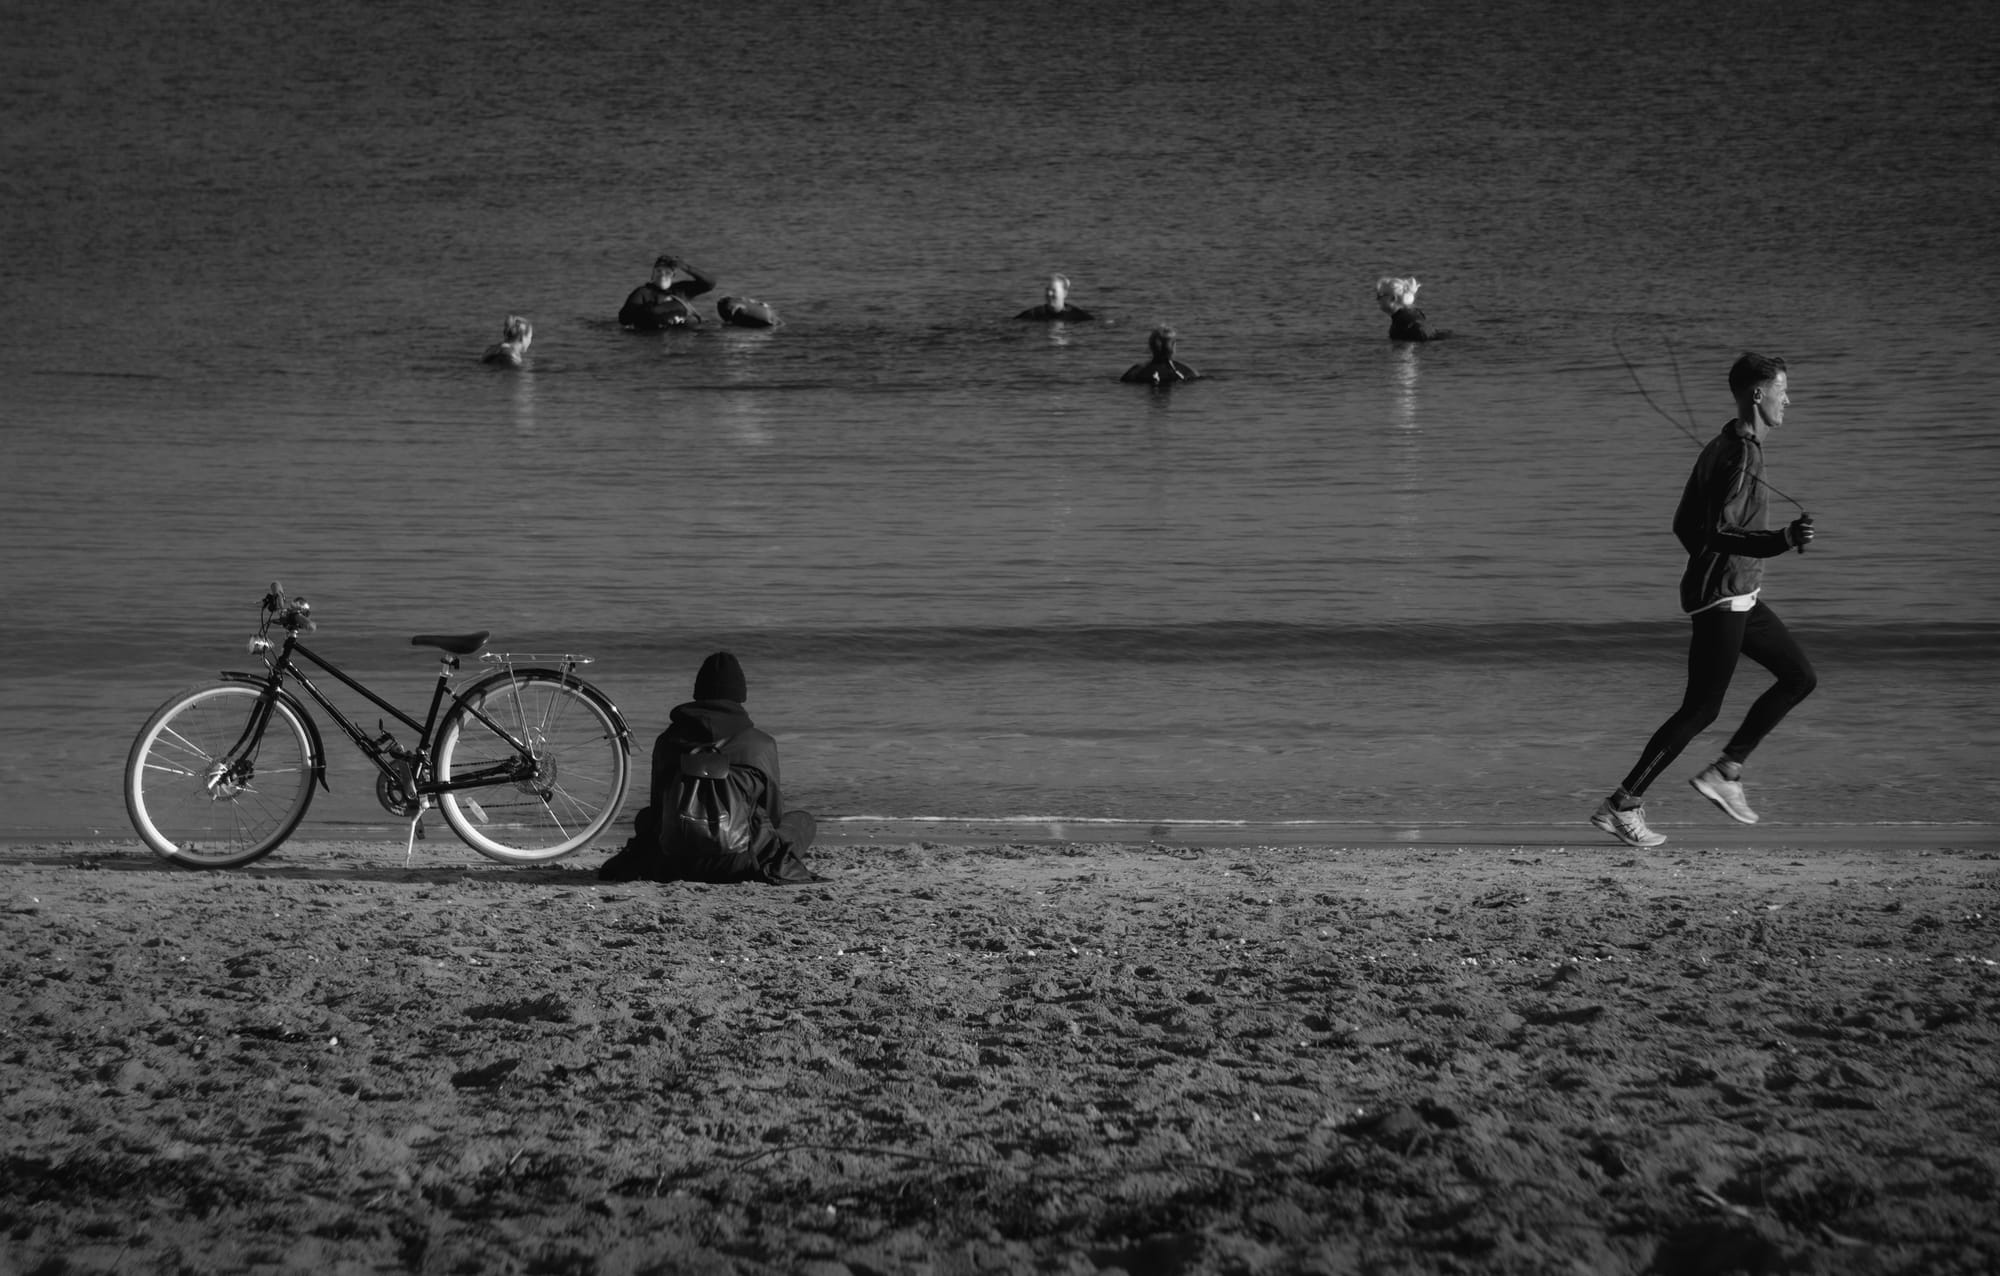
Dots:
{"x": 546, "y": 810}
{"x": 199, "y": 799}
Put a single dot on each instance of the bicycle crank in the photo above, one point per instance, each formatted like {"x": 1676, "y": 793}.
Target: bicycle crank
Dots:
{"x": 393, "y": 792}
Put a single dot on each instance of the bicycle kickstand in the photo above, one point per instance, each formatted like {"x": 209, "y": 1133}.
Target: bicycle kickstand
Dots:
{"x": 416, "y": 832}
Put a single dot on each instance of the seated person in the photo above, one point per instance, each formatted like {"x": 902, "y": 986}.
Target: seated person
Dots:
{"x": 1055, "y": 308}
{"x": 745, "y": 313}
{"x": 661, "y": 302}
{"x": 1398, "y": 299}
{"x": 716, "y": 814}
{"x": 515, "y": 337}
{"x": 1163, "y": 369}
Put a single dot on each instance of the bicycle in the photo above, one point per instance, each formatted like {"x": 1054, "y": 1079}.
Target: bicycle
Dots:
{"x": 527, "y": 764}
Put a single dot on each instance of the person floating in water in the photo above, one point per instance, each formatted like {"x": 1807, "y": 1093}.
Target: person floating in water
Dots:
{"x": 745, "y": 313}
{"x": 1398, "y": 299}
{"x": 516, "y": 335}
{"x": 1056, "y": 309}
{"x": 1721, "y": 523}
{"x": 661, "y": 302}
{"x": 1163, "y": 369}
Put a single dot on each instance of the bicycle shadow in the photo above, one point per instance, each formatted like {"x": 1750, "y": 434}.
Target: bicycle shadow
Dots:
{"x": 360, "y": 864}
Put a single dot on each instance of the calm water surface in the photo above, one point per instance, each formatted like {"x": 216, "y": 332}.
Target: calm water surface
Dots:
{"x": 253, "y": 256}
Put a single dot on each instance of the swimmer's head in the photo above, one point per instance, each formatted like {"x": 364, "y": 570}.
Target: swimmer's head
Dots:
{"x": 1057, "y": 290}
{"x": 1391, "y": 293}
{"x": 517, "y": 331}
{"x": 664, "y": 268}
{"x": 1162, "y": 341}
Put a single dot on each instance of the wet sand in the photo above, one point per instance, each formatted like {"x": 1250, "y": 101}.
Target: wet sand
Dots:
{"x": 1750, "y": 1053}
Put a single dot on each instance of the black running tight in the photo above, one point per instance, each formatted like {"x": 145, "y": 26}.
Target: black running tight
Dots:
{"x": 1719, "y": 637}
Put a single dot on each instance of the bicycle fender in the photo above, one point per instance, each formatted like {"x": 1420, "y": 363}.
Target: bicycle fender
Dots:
{"x": 617, "y": 718}
{"x": 291, "y": 702}
{"x": 590, "y": 692}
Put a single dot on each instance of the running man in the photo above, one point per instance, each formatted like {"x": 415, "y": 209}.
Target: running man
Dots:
{"x": 1721, "y": 523}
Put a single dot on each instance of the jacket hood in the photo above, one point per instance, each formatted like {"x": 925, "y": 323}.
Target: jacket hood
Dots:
{"x": 707, "y": 721}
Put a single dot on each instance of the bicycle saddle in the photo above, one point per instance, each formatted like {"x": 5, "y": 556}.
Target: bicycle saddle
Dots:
{"x": 456, "y": 644}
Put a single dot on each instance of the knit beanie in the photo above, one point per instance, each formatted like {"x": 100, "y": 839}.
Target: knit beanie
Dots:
{"x": 721, "y": 678}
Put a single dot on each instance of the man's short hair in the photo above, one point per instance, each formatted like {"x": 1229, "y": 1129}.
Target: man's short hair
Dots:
{"x": 1752, "y": 370}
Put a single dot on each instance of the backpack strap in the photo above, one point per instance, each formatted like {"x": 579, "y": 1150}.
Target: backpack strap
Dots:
{"x": 706, "y": 762}
{"x": 705, "y": 765}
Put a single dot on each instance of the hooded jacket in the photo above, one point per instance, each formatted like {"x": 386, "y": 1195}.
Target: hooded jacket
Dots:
{"x": 1721, "y": 521}
{"x": 753, "y": 763}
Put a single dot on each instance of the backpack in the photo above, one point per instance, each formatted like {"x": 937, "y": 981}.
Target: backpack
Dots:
{"x": 706, "y": 817}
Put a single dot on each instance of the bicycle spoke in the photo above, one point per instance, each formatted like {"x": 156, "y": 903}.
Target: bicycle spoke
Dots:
{"x": 536, "y": 766}
{"x": 198, "y": 796}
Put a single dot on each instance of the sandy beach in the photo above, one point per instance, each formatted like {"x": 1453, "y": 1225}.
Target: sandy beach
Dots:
{"x": 1054, "y": 1057}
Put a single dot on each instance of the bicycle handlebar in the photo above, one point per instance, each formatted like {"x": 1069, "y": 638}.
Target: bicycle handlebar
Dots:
{"x": 293, "y": 613}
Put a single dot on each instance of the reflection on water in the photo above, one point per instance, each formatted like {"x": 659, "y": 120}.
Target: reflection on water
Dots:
{"x": 1413, "y": 488}
{"x": 1404, "y": 375}
{"x": 745, "y": 418}
{"x": 521, "y": 394}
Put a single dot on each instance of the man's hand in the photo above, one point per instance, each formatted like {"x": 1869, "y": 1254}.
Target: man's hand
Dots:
{"x": 1800, "y": 532}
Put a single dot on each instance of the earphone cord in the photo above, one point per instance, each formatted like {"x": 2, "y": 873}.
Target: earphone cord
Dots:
{"x": 1682, "y": 426}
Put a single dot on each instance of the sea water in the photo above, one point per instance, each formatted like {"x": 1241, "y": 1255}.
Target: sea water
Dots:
{"x": 252, "y": 255}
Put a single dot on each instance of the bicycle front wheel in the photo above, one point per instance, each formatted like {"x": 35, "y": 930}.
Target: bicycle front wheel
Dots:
{"x": 202, "y": 793}
{"x": 558, "y": 760}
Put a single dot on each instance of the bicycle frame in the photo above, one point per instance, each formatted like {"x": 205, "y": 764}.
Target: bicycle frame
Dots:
{"x": 406, "y": 767}
{"x": 526, "y": 763}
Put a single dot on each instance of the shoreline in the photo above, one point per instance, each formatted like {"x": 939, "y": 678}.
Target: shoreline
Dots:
{"x": 1062, "y": 1057}
{"x": 842, "y": 831}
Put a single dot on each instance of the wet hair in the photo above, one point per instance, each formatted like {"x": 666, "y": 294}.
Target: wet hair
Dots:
{"x": 1162, "y": 340}
{"x": 1752, "y": 370}
{"x": 517, "y": 329}
{"x": 1392, "y": 291}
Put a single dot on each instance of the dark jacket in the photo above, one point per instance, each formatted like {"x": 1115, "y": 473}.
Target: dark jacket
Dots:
{"x": 1407, "y": 323}
{"x": 752, "y": 754}
{"x": 1721, "y": 521}
{"x": 1068, "y": 314}
{"x": 753, "y": 780}
{"x": 649, "y": 308}
{"x": 777, "y": 843}
{"x": 1159, "y": 372}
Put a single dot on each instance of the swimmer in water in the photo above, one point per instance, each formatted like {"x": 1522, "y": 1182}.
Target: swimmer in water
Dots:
{"x": 1398, "y": 299}
{"x": 661, "y": 302}
{"x": 1056, "y": 309}
{"x": 515, "y": 337}
{"x": 742, "y": 312}
{"x": 1164, "y": 369}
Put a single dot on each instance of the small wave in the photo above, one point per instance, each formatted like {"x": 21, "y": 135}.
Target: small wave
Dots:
{"x": 1544, "y": 641}
{"x": 1514, "y": 643}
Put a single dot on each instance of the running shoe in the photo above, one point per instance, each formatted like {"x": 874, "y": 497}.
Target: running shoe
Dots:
{"x": 1628, "y": 827}
{"x": 1725, "y": 793}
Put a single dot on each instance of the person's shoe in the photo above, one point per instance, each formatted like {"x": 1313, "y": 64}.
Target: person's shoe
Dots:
{"x": 1628, "y": 827}
{"x": 1725, "y": 793}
